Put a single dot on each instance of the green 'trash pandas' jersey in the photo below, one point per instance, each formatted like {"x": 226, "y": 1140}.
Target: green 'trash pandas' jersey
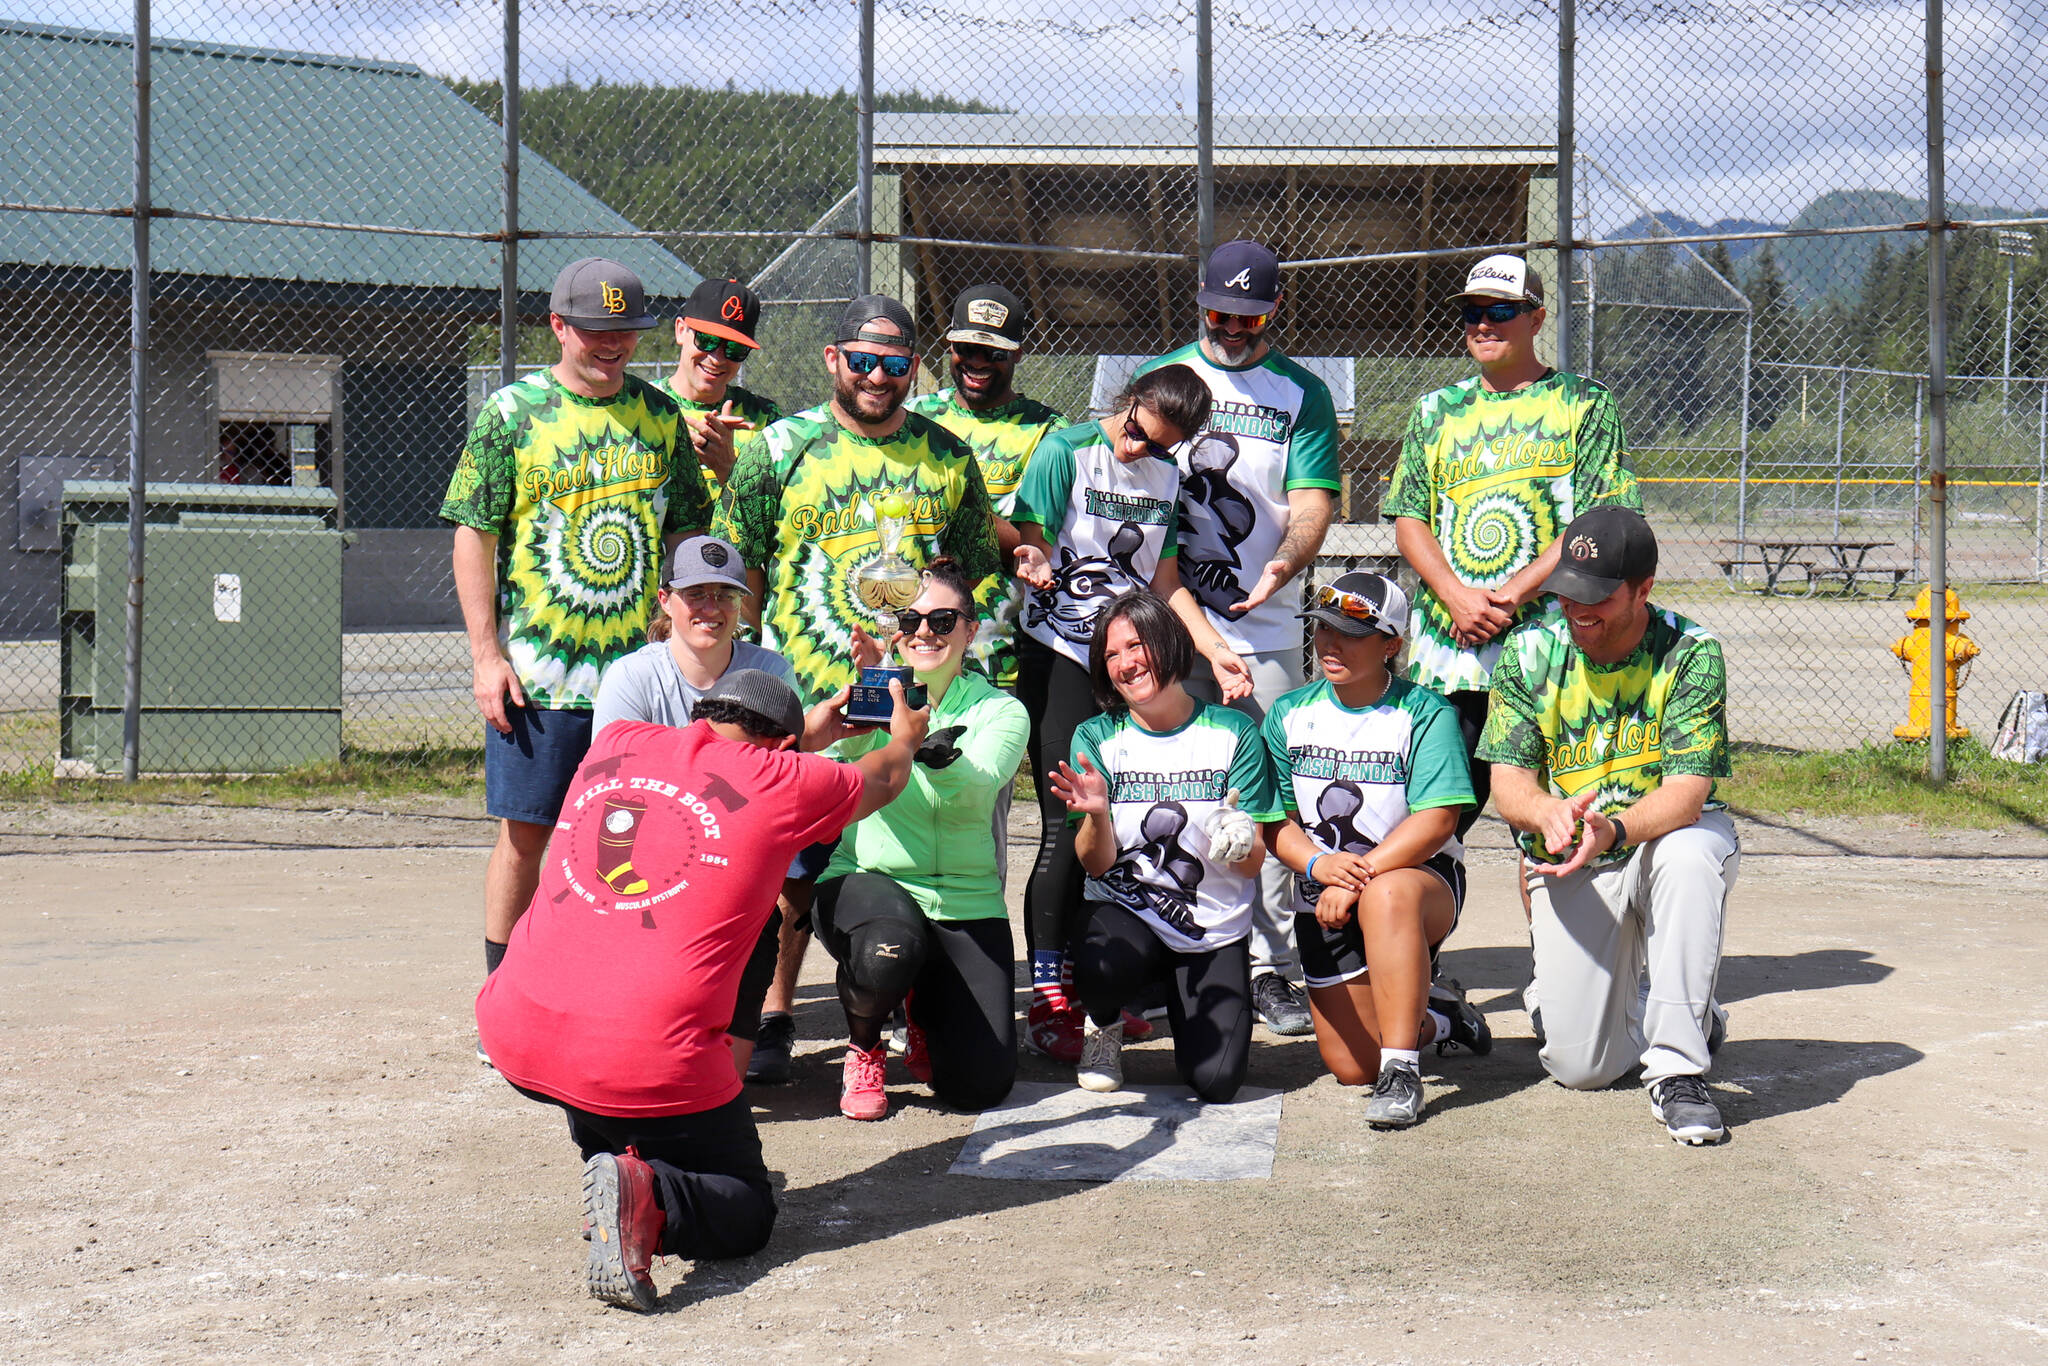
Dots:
{"x": 745, "y": 403}
{"x": 1003, "y": 439}
{"x": 579, "y": 492}
{"x": 1496, "y": 477}
{"x": 1619, "y": 729}
{"x": 800, "y": 507}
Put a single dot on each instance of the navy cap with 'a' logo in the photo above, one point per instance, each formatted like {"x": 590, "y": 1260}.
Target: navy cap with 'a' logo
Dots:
{"x": 1243, "y": 278}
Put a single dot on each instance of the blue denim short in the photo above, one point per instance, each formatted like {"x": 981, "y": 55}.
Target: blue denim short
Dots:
{"x": 527, "y": 773}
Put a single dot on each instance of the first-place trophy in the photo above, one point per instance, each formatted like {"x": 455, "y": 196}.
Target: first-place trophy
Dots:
{"x": 886, "y": 584}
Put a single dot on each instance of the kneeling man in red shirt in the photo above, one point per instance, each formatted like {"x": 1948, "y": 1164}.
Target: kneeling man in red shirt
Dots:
{"x": 619, "y": 981}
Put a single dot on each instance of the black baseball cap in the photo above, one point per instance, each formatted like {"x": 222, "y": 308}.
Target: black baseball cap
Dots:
{"x": 1243, "y": 278}
{"x": 600, "y": 295}
{"x": 1359, "y": 604}
{"x": 853, "y": 323}
{"x": 763, "y": 694}
{"x": 989, "y": 315}
{"x": 724, "y": 308}
{"x": 705, "y": 559}
{"x": 1602, "y": 550}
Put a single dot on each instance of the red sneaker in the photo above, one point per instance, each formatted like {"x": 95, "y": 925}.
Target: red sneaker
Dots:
{"x": 1053, "y": 1027}
{"x": 916, "y": 1054}
{"x": 624, "y": 1223}
{"x": 1137, "y": 1028}
{"x": 861, "y": 1093}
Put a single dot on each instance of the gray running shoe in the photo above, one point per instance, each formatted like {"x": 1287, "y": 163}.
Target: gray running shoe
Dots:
{"x": 1469, "y": 1030}
{"x": 1686, "y": 1110}
{"x": 1102, "y": 1064}
{"x": 1279, "y": 1005}
{"x": 1396, "y": 1097}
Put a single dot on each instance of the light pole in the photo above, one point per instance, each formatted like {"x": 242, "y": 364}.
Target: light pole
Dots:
{"x": 2013, "y": 243}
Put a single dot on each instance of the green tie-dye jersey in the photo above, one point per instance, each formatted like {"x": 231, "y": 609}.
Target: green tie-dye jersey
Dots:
{"x": 1497, "y": 477}
{"x": 1002, "y": 440}
{"x": 579, "y": 492}
{"x": 800, "y": 507}
{"x": 745, "y": 403}
{"x": 1619, "y": 729}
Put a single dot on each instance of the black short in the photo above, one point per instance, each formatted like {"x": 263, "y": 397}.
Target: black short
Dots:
{"x": 1332, "y": 957}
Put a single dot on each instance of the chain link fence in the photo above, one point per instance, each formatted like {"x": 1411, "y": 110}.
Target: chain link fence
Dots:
{"x": 328, "y": 284}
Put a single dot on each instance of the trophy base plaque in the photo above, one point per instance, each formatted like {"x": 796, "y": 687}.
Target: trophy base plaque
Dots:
{"x": 871, "y": 705}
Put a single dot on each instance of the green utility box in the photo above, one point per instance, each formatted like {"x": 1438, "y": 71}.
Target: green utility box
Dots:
{"x": 241, "y": 627}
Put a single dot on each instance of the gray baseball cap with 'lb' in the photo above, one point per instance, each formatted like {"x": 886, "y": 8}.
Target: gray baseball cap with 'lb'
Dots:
{"x": 853, "y": 323}
{"x": 705, "y": 559}
{"x": 763, "y": 694}
{"x": 599, "y": 295}
{"x": 1601, "y": 550}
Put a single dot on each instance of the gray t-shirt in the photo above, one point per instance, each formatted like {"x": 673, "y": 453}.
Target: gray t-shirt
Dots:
{"x": 647, "y": 685}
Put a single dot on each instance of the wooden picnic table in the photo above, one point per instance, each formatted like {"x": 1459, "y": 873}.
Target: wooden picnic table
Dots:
{"x": 1842, "y": 558}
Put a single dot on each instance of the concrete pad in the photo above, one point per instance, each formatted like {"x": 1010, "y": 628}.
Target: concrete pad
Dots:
{"x": 1052, "y": 1131}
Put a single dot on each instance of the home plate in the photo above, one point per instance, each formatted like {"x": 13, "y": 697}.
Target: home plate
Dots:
{"x": 1050, "y": 1131}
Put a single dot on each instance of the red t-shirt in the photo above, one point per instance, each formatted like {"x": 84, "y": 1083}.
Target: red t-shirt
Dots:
{"x": 618, "y": 984}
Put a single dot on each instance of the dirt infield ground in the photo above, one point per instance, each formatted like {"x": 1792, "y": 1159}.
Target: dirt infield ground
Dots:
{"x": 243, "y": 1122}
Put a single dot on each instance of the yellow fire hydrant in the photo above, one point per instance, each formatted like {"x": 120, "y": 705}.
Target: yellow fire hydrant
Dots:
{"x": 1916, "y": 656}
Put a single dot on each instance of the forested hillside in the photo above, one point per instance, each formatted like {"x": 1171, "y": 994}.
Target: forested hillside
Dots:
{"x": 676, "y": 156}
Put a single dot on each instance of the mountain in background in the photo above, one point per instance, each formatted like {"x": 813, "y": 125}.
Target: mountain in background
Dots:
{"x": 1680, "y": 226}
{"x": 1833, "y": 268}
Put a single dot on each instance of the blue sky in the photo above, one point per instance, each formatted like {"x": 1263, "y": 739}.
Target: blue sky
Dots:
{"x": 1742, "y": 111}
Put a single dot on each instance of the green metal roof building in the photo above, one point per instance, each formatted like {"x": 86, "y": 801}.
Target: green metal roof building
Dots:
{"x": 339, "y": 349}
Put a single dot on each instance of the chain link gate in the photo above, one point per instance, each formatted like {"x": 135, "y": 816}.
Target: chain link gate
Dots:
{"x": 327, "y": 281}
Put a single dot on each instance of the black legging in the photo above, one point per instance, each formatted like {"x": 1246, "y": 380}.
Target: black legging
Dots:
{"x": 957, "y": 975}
{"x": 1471, "y": 720}
{"x": 1208, "y": 1001}
{"x": 1057, "y": 697}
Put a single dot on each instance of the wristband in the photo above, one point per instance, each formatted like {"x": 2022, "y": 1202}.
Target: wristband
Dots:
{"x": 1620, "y": 833}
{"x": 1310, "y": 871}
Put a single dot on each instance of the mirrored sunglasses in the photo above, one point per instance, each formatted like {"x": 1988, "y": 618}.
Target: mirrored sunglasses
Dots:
{"x": 1506, "y": 311}
{"x": 1356, "y": 606}
{"x": 864, "y": 363}
{"x": 725, "y": 346}
{"x": 1217, "y": 318}
{"x": 1134, "y": 432}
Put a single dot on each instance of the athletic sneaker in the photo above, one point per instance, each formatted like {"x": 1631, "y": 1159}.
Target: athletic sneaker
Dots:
{"x": 1102, "y": 1066}
{"x": 1688, "y": 1113}
{"x": 623, "y": 1222}
{"x": 917, "y": 1055}
{"x": 861, "y": 1093}
{"x": 1468, "y": 1027}
{"x": 1396, "y": 1097}
{"x": 1279, "y": 1005}
{"x": 772, "y": 1045}
{"x": 1053, "y": 1027}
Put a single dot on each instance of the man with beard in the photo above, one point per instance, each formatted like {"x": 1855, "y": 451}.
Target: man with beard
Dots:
{"x": 1258, "y": 495}
{"x": 804, "y": 507}
{"x": 984, "y": 409}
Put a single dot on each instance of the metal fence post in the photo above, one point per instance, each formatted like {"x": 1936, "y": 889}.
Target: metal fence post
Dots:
{"x": 864, "y": 196}
{"x": 138, "y": 406}
{"x": 1937, "y": 405}
{"x": 1567, "y": 78}
{"x": 2040, "y": 480}
{"x": 1919, "y": 404}
{"x": 1205, "y": 136}
{"x": 1742, "y": 439}
{"x": 1841, "y": 418}
{"x": 508, "y": 256}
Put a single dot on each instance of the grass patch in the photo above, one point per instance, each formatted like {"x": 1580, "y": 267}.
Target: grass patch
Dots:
{"x": 1890, "y": 781}
{"x": 367, "y": 779}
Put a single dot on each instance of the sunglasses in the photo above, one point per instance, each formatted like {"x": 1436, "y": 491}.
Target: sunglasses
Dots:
{"x": 1506, "y": 311}
{"x": 943, "y": 620}
{"x": 1357, "y": 606}
{"x": 864, "y": 363}
{"x": 726, "y": 346}
{"x": 1217, "y": 317}
{"x": 1134, "y": 432}
{"x": 986, "y": 355}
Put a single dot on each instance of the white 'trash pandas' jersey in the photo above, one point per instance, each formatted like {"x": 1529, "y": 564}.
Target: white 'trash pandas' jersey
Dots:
{"x": 1162, "y": 790}
{"x": 1352, "y": 774}
{"x": 1272, "y": 428}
